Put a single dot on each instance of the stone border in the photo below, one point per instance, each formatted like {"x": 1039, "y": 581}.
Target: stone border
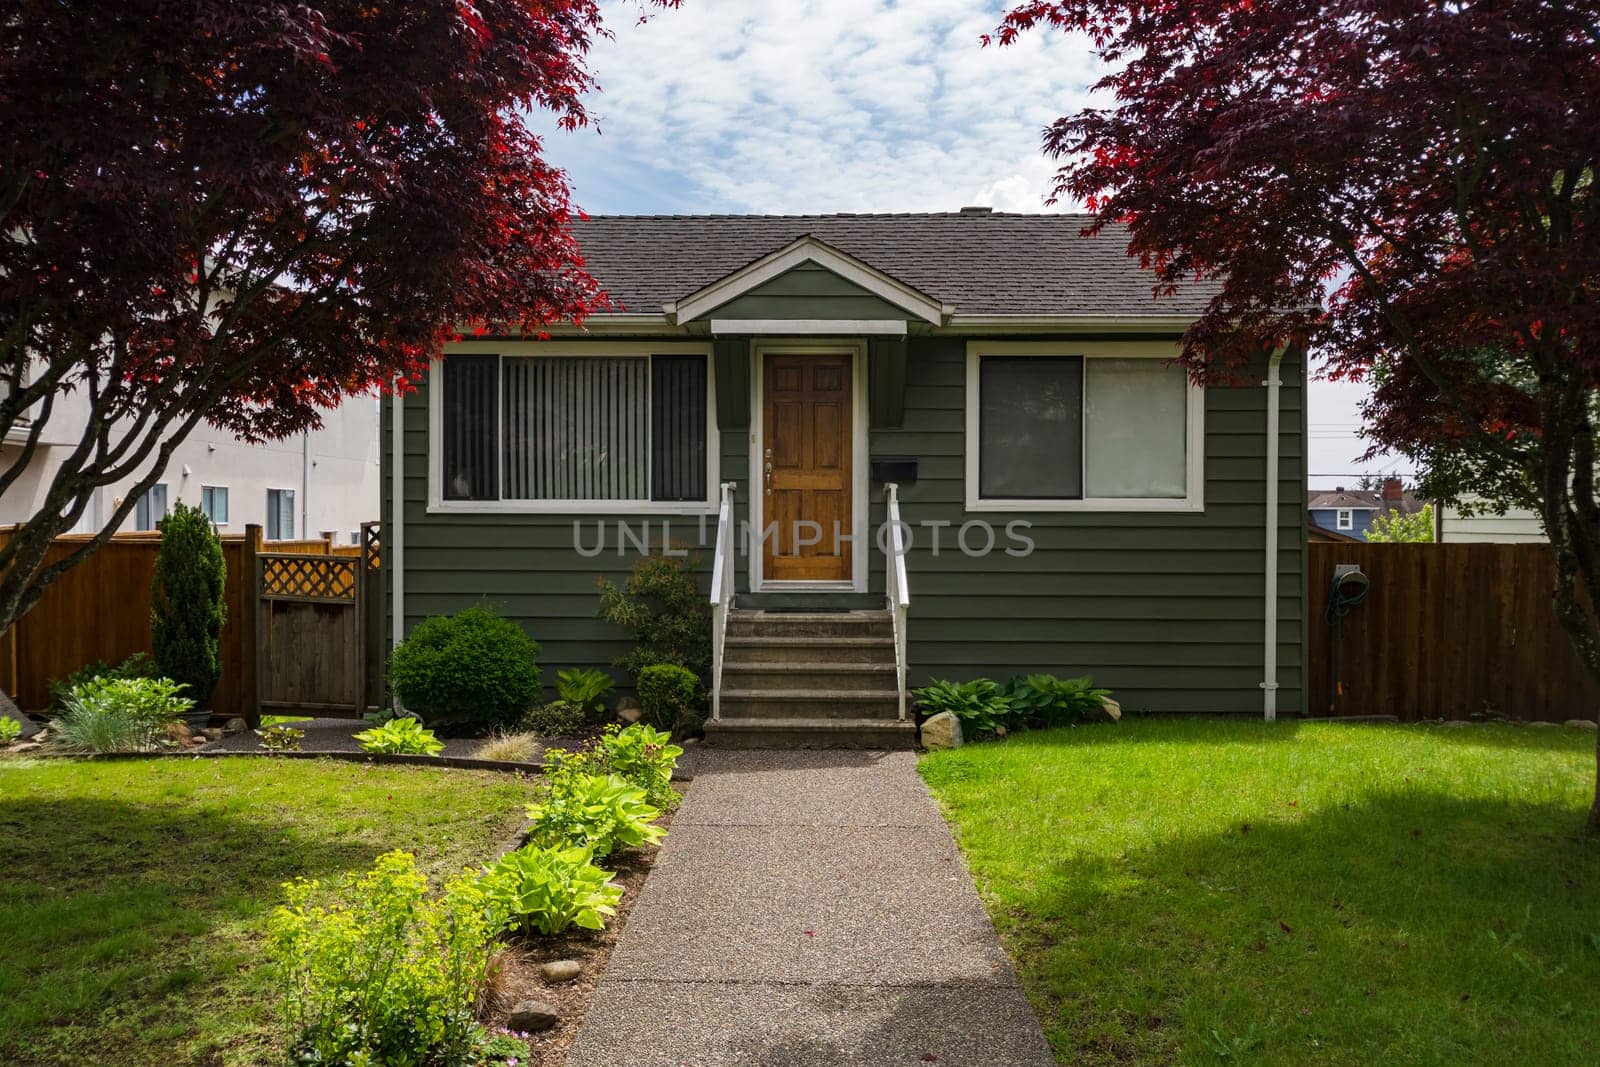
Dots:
{"x": 459, "y": 763}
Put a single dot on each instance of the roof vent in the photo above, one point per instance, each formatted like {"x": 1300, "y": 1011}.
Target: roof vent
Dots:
{"x": 977, "y": 210}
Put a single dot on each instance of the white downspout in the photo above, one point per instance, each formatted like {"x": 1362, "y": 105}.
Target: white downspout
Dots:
{"x": 1269, "y": 681}
{"x": 305, "y": 485}
{"x": 394, "y": 538}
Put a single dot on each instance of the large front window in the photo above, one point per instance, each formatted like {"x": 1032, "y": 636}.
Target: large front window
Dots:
{"x": 546, "y": 432}
{"x": 1109, "y": 428}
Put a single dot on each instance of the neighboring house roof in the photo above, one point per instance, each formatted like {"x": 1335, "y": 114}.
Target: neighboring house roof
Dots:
{"x": 1317, "y": 533}
{"x": 982, "y": 263}
{"x": 1407, "y": 503}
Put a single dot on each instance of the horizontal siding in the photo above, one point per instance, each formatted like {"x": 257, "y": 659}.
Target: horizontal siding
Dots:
{"x": 1516, "y": 526}
{"x": 1163, "y": 608}
{"x": 807, "y": 292}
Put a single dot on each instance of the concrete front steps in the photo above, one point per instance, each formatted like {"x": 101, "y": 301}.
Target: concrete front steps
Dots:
{"x": 823, "y": 679}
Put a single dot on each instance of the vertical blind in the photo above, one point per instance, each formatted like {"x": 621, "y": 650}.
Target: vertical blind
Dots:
{"x": 470, "y": 464}
{"x": 577, "y": 428}
{"x": 678, "y": 427}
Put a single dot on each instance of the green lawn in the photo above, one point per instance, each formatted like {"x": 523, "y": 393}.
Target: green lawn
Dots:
{"x": 133, "y": 894}
{"x": 1210, "y": 891}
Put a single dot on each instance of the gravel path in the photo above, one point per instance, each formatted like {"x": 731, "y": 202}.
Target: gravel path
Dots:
{"x": 807, "y": 908}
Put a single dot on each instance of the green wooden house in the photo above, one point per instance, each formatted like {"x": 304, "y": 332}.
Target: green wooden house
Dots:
{"x": 773, "y": 391}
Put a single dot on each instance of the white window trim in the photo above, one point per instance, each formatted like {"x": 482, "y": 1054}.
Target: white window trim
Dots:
{"x": 437, "y": 504}
{"x": 1344, "y": 518}
{"x": 1194, "y": 498}
{"x": 861, "y": 546}
{"x": 225, "y": 489}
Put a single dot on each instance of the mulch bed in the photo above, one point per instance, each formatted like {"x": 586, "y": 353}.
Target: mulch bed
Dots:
{"x": 516, "y": 971}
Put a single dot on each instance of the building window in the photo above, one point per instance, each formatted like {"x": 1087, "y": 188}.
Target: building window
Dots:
{"x": 1054, "y": 430}
{"x": 150, "y": 508}
{"x": 549, "y": 432}
{"x": 280, "y": 515}
{"x": 214, "y": 502}
{"x": 1345, "y": 519}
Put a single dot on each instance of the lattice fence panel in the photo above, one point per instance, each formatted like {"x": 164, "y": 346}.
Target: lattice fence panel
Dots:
{"x": 309, "y": 577}
{"x": 372, "y": 545}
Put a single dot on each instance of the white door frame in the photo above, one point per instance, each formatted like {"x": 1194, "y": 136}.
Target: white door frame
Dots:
{"x": 860, "y": 503}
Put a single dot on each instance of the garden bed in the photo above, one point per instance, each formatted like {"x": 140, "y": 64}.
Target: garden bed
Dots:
{"x": 518, "y": 975}
{"x": 136, "y": 894}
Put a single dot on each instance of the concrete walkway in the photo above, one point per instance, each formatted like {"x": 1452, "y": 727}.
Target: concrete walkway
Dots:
{"x": 810, "y": 907}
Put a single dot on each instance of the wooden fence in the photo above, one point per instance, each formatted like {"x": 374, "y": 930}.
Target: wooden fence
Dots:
{"x": 1446, "y": 631}
{"x": 100, "y": 612}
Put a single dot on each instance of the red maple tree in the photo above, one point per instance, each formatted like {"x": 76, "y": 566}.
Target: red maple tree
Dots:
{"x": 241, "y": 213}
{"x": 1408, "y": 186}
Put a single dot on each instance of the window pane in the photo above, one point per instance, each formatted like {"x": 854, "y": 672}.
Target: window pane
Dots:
{"x": 214, "y": 502}
{"x": 1030, "y": 427}
{"x": 469, "y": 453}
{"x": 280, "y": 514}
{"x": 577, "y": 428}
{"x": 678, "y": 427}
{"x": 1137, "y": 429}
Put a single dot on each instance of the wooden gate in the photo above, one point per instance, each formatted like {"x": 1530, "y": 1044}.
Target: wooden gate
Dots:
{"x": 311, "y": 623}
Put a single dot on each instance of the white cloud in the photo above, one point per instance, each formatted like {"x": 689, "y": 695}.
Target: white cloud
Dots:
{"x": 820, "y": 105}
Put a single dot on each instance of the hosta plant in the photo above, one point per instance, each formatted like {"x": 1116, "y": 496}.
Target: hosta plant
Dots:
{"x": 403, "y": 737}
{"x": 281, "y": 738}
{"x": 584, "y": 688}
{"x": 981, "y": 705}
{"x": 547, "y": 890}
{"x": 10, "y": 730}
{"x": 641, "y": 754}
{"x": 646, "y": 757}
{"x": 1056, "y": 700}
{"x": 598, "y": 812}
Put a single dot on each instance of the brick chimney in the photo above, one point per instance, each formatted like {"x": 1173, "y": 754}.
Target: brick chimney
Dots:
{"x": 1393, "y": 491}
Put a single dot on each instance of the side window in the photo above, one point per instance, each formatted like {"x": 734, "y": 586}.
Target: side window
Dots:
{"x": 214, "y": 502}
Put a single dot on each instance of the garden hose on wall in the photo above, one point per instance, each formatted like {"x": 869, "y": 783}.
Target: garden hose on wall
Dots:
{"x": 1349, "y": 588}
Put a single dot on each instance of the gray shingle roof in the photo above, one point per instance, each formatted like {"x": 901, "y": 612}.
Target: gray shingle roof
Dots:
{"x": 984, "y": 264}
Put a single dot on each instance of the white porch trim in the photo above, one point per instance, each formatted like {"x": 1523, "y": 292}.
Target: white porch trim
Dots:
{"x": 809, "y": 249}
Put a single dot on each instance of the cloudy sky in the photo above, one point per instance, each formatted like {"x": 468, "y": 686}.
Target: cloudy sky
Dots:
{"x": 842, "y": 105}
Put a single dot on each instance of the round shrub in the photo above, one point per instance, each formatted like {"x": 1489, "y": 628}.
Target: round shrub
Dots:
{"x": 472, "y": 668}
{"x": 669, "y": 697}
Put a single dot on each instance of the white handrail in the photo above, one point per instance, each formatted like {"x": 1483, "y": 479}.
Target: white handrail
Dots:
{"x": 897, "y": 588}
{"x": 722, "y": 567}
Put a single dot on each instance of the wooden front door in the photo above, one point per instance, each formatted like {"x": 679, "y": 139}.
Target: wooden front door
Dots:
{"x": 806, "y": 456}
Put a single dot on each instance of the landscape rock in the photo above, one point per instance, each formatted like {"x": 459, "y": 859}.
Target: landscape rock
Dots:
{"x": 1582, "y": 724}
{"x": 557, "y": 971}
{"x": 179, "y": 733}
{"x": 9, "y": 710}
{"x": 235, "y": 726}
{"x": 1112, "y": 709}
{"x": 628, "y": 711}
{"x": 941, "y": 731}
{"x": 532, "y": 1016}
{"x": 212, "y": 733}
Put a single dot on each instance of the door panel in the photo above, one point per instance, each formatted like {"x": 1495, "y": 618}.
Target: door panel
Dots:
{"x": 806, "y": 412}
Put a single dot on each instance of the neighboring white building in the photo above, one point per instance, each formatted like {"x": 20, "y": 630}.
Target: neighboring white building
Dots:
{"x": 305, "y": 486}
{"x": 1516, "y": 526}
